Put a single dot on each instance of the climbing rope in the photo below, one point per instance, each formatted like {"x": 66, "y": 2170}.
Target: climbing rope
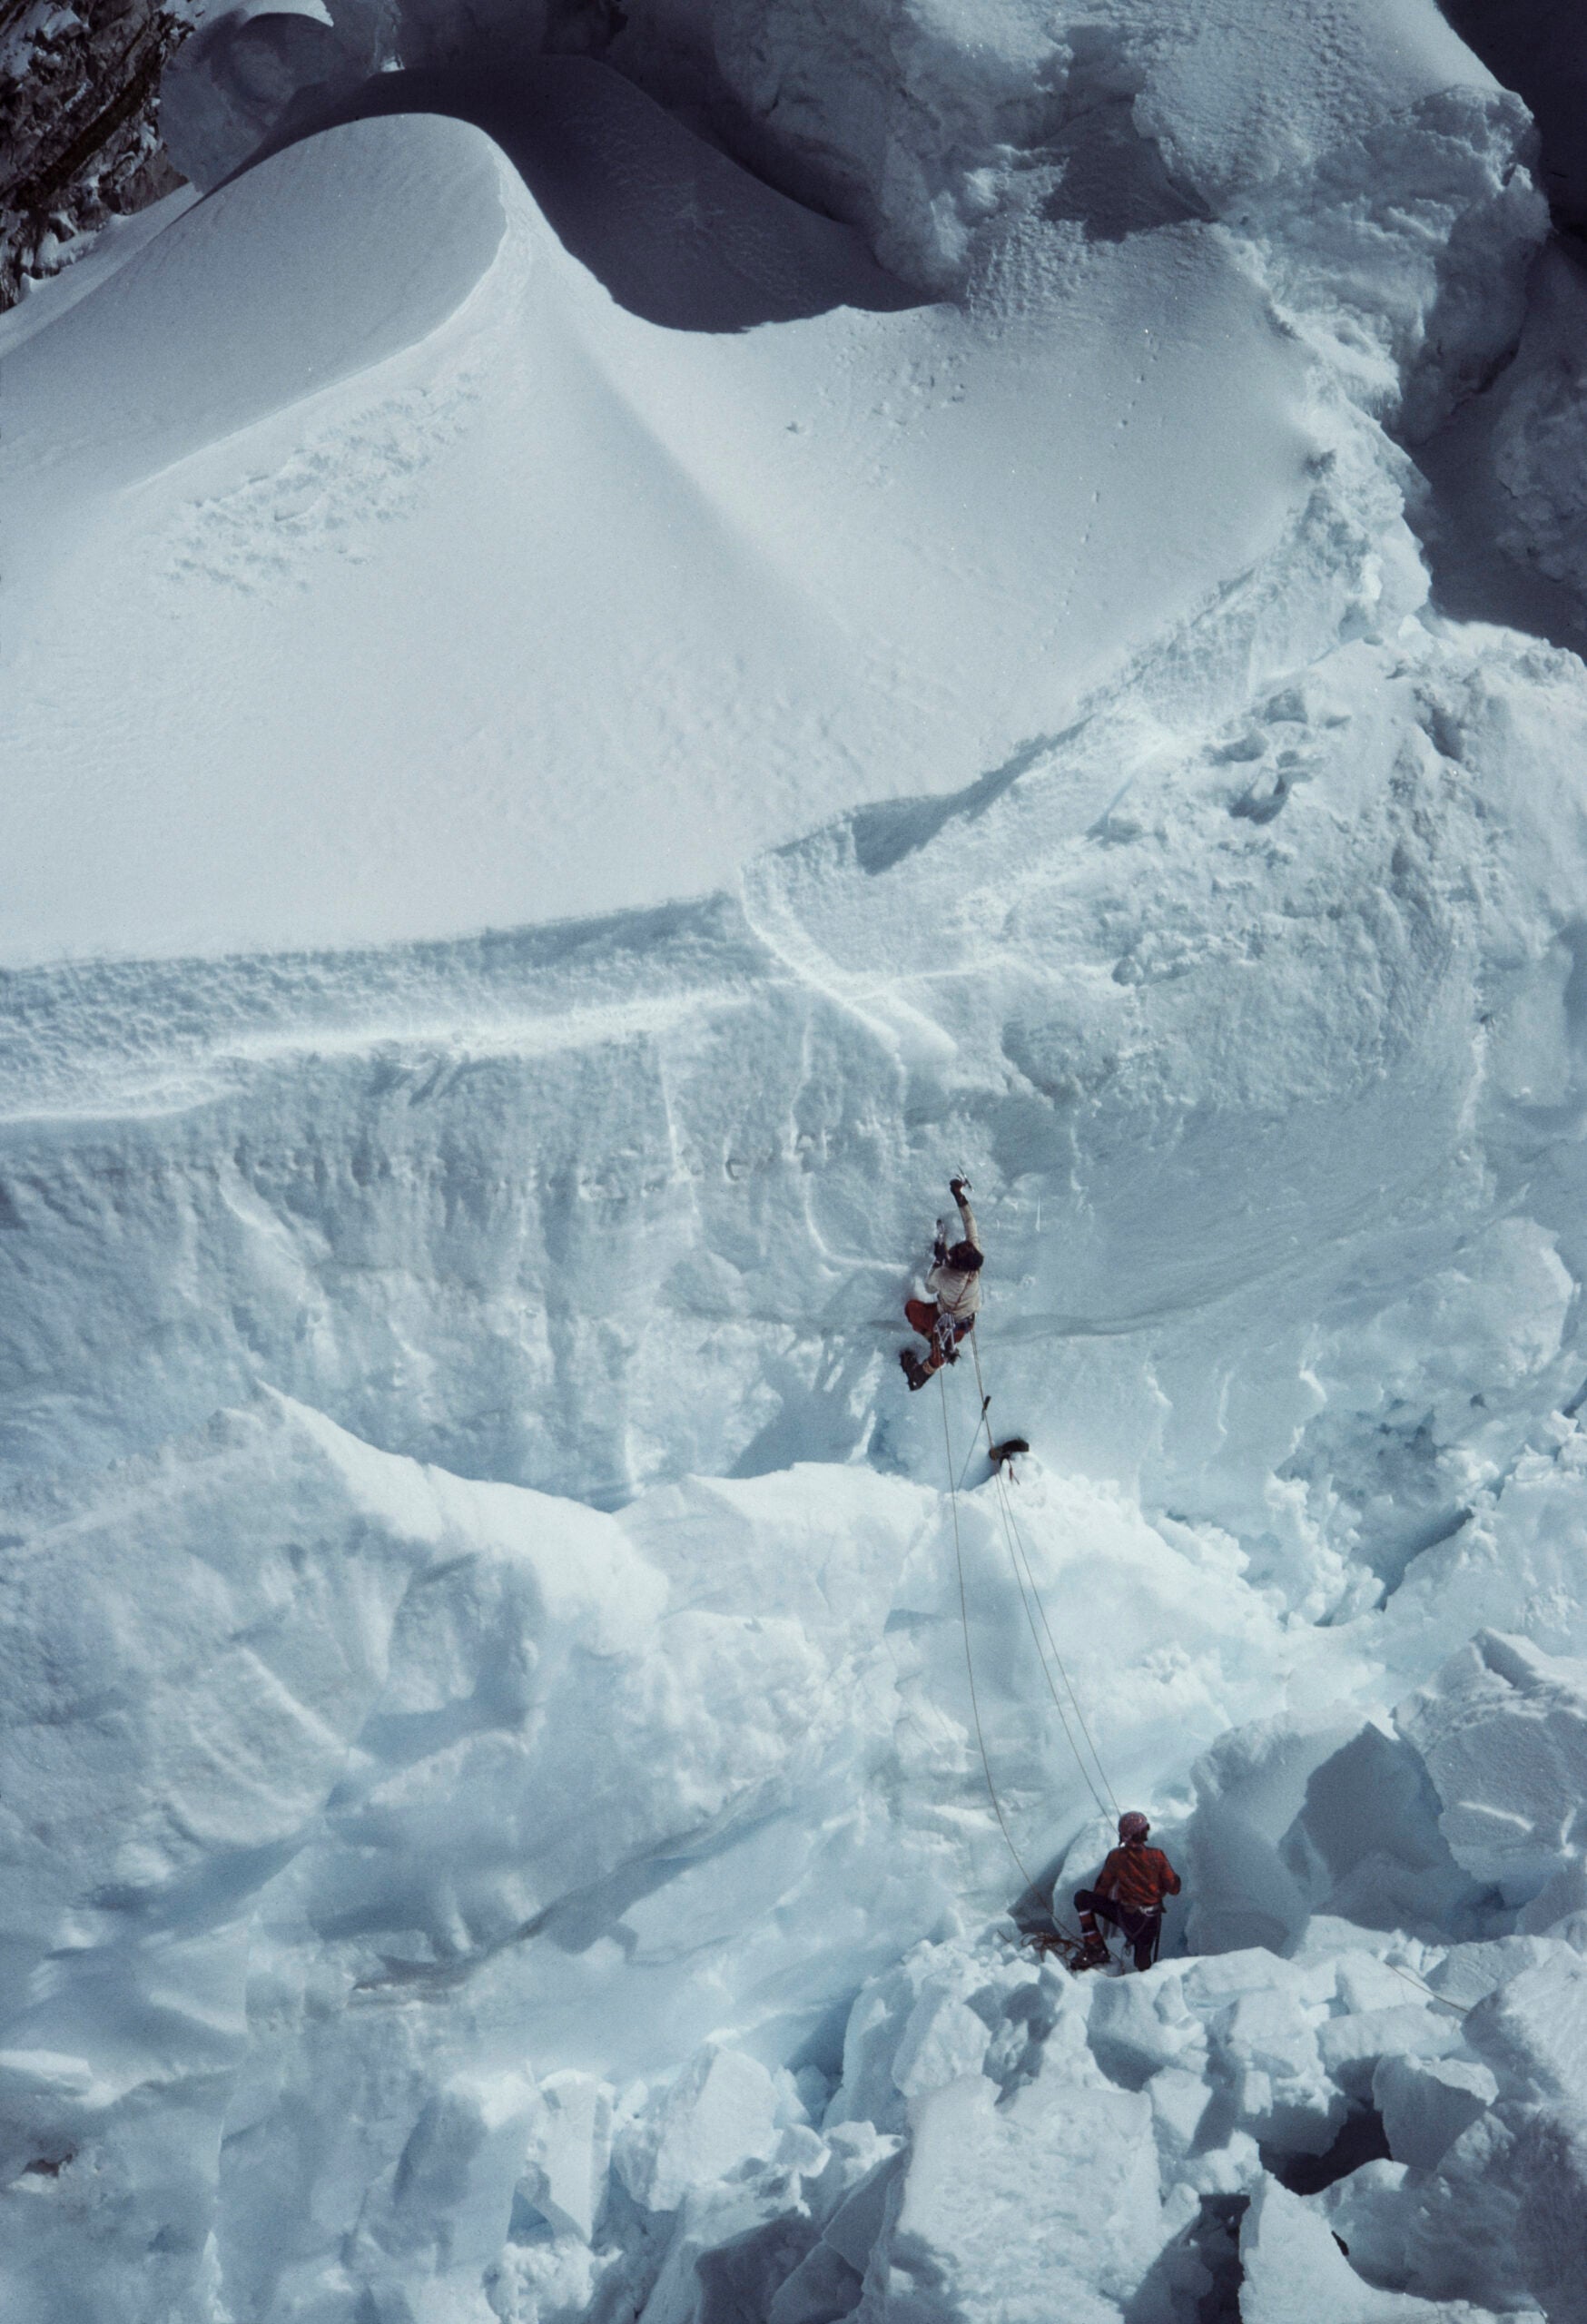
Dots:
{"x": 1019, "y": 1556}
{"x": 1030, "y": 1595}
{"x": 1067, "y": 1941}
{"x": 1086, "y": 1778}
{"x": 1409, "y": 1978}
{"x": 969, "y": 1658}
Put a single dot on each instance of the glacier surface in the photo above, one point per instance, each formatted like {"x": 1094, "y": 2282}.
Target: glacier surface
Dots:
{"x": 616, "y": 662}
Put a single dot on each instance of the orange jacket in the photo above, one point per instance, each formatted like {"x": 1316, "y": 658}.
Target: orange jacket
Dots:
{"x": 1139, "y": 1877}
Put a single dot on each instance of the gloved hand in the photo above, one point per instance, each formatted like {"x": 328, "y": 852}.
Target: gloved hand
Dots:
{"x": 958, "y": 1189}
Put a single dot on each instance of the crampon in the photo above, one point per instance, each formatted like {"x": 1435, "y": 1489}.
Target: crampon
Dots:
{"x": 1052, "y": 1944}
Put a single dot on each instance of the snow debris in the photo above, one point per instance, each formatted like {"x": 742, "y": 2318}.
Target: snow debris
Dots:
{"x": 1502, "y": 1732}
{"x": 1295, "y": 2274}
{"x": 1428, "y": 2103}
{"x": 721, "y": 2110}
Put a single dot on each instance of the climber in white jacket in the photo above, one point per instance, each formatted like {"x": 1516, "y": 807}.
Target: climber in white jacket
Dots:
{"x": 954, "y": 1283}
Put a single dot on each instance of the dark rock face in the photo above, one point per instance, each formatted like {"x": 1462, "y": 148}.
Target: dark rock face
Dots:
{"x": 79, "y": 139}
{"x": 1539, "y": 49}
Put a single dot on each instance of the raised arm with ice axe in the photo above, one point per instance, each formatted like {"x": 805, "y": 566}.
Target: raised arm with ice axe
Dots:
{"x": 954, "y": 1283}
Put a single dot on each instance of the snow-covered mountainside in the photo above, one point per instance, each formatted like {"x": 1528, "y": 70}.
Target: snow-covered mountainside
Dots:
{"x": 615, "y": 664}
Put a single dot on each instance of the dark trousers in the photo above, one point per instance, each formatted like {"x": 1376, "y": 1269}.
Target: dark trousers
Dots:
{"x": 1140, "y": 1930}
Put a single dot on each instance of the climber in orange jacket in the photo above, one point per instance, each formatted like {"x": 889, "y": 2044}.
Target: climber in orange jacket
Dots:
{"x": 1132, "y": 1887}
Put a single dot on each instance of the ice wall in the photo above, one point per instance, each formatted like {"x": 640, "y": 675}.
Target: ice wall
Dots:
{"x": 1272, "y": 1022}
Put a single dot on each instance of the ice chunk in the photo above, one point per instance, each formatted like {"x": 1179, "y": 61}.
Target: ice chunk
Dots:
{"x": 823, "y": 2288}
{"x": 1249, "y": 1786}
{"x": 1533, "y": 2028}
{"x": 569, "y": 2150}
{"x": 910, "y": 2030}
{"x": 854, "y": 2226}
{"x": 1179, "y": 2103}
{"x": 1502, "y": 1729}
{"x": 1267, "y": 2043}
{"x": 871, "y": 2035}
{"x": 1296, "y": 2274}
{"x": 720, "y": 2112}
{"x": 1428, "y": 2103}
{"x": 1138, "y": 2025}
{"x": 1551, "y": 2173}
{"x": 731, "y": 2249}
{"x": 1366, "y": 1845}
{"x": 1352, "y": 2044}
{"x": 1369, "y": 2213}
{"x": 1559, "y": 1909}
{"x": 448, "y": 2203}
{"x": 960, "y": 2243}
{"x": 942, "y": 2040}
{"x": 826, "y": 2284}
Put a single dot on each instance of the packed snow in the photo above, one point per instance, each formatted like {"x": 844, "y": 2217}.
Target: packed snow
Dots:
{"x": 613, "y": 669}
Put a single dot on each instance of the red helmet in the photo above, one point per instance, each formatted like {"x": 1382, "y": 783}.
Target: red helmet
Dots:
{"x": 1133, "y": 1826}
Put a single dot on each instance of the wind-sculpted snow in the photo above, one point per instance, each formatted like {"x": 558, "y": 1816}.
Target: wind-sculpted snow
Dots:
{"x": 504, "y": 600}
{"x": 738, "y": 581}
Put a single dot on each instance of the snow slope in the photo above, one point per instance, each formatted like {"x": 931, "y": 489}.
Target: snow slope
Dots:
{"x": 495, "y": 1812}
{"x": 398, "y": 581}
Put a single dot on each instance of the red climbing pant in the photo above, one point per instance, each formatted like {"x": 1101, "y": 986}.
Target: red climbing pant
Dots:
{"x": 943, "y": 1331}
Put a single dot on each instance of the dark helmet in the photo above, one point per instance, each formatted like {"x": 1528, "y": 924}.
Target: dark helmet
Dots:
{"x": 1134, "y": 1826}
{"x": 966, "y": 1258}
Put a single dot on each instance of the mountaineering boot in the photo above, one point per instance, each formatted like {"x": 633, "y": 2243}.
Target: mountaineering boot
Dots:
{"x": 1092, "y": 1954}
{"x": 914, "y": 1371}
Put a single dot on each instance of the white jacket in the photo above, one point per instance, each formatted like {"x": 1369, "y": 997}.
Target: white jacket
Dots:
{"x": 957, "y": 1295}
